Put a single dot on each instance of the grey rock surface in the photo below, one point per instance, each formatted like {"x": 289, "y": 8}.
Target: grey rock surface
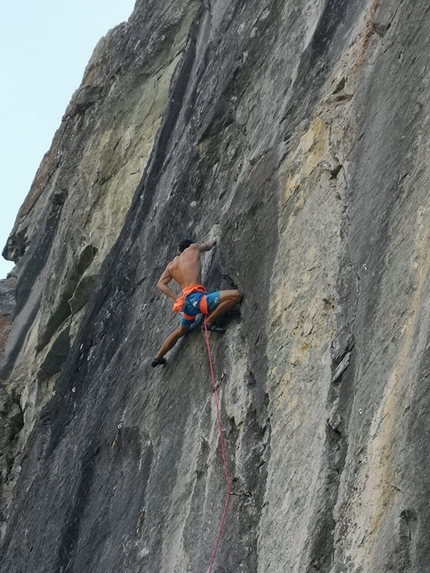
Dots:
{"x": 297, "y": 134}
{"x": 78, "y": 201}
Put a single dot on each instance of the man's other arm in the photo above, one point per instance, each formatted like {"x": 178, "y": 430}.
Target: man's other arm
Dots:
{"x": 165, "y": 278}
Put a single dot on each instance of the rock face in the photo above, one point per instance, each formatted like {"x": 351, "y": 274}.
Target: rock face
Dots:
{"x": 11, "y": 418}
{"x": 81, "y": 193}
{"x": 296, "y": 133}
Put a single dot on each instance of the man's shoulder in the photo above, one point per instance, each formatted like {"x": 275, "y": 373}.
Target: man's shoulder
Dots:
{"x": 173, "y": 263}
{"x": 190, "y": 252}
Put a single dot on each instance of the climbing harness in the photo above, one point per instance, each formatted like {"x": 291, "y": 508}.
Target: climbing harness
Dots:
{"x": 180, "y": 301}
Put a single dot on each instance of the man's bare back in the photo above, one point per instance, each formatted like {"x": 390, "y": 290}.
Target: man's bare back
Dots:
{"x": 185, "y": 268}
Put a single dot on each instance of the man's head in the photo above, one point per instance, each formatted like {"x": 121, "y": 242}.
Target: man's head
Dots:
{"x": 185, "y": 244}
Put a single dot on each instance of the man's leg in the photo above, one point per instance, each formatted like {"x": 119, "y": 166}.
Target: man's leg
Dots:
{"x": 171, "y": 341}
{"x": 228, "y": 299}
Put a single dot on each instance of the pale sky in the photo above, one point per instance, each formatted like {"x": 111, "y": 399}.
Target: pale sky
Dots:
{"x": 44, "y": 48}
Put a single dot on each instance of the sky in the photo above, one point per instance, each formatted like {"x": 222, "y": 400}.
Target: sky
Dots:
{"x": 45, "y": 46}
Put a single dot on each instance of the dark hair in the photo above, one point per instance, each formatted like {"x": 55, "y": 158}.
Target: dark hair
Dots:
{"x": 185, "y": 244}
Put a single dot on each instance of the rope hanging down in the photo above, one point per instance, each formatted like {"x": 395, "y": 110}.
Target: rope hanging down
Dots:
{"x": 224, "y": 457}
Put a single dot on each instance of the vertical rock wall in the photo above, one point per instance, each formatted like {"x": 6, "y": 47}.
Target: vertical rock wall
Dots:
{"x": 81, "y": 194}
{"x": 296, "y": 133}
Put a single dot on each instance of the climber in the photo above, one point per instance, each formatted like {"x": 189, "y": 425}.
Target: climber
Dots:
{"x": 185, "y": 269}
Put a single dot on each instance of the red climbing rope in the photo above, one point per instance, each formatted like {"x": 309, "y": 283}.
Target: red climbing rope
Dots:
{"x": 224, "y": 457}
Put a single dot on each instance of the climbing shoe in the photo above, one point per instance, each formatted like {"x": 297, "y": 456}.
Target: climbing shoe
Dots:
{"x": 156, "y": 362}
{"x": 215, "y": 328}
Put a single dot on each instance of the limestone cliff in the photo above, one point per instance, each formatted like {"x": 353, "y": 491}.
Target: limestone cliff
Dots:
{"x": 296, "y": 133}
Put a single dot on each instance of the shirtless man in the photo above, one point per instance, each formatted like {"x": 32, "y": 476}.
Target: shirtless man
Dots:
{"x": 185, "y": 269}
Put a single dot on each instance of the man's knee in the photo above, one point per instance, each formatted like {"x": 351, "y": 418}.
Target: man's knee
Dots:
{"x": 182, "y": 330}
{"x": 238, "y": 296}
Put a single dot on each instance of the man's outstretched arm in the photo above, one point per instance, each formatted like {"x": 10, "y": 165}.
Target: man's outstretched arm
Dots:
{"x": 165, "y": 278}
{"x": 207, "y": 246}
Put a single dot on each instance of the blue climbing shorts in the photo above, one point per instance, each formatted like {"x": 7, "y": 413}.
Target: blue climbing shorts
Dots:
{"x": 192, "y": 305}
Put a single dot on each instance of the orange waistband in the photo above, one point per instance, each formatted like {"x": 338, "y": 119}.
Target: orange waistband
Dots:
{"x": 193, "y": 288}
{"x": 180, "y": 301}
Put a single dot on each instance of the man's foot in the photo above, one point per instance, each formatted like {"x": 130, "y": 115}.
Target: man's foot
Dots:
{"x": 215, "y": 328}
{"x": 159, "y": 362}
